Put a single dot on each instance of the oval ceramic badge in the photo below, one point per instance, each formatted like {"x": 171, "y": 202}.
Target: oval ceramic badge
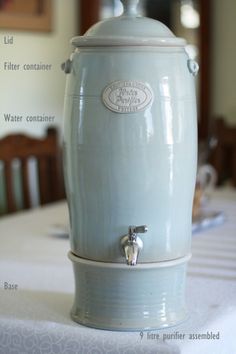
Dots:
{"x": 127, "y": 96}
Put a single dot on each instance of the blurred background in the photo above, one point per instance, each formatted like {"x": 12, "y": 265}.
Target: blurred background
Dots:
{"x": 38, "y": 32}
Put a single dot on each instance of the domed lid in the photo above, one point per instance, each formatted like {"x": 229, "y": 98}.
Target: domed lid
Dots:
{"x": 129, "y": 29}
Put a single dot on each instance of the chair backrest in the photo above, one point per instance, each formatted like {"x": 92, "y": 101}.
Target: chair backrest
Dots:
{"x": 47, "y": 155}
{"x": 223, "y": 156}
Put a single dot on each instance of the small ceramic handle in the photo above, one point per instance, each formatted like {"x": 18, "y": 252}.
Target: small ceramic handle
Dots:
{"x": 130, "y": 7}
{"x": 66, "y": 66}
{"x": 193, "y": 67}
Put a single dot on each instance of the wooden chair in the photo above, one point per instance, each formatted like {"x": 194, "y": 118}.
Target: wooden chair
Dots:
{"x": 223, "y": 155}
{"x": 47, "y": 154}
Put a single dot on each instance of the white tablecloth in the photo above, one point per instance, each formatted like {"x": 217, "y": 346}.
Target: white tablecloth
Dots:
{"x": 35, "y": 317}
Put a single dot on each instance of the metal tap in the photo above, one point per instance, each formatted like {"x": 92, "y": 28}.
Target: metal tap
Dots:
{"x": 132, "y": 244}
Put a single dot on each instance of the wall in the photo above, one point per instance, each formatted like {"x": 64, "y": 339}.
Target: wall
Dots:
{"x": 223, "y": 70}
{"x": 36, "y": 92}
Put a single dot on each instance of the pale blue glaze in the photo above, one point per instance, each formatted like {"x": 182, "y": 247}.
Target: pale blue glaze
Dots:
{"x": 130, "y": 169}
{"x": 128, "y": 298}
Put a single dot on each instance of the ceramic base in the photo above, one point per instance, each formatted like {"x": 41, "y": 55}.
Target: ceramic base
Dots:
{"x": 115, "y": 296}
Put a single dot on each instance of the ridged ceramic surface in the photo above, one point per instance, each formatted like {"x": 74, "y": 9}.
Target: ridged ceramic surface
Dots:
{"x": 135, "y": 168}
{"x": 128, "y": 298}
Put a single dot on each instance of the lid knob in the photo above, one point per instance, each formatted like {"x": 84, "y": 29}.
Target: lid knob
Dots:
{"x": 130, "y": 7}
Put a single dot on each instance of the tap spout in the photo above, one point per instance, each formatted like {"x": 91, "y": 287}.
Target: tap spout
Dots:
{"x": 132, "y": 244}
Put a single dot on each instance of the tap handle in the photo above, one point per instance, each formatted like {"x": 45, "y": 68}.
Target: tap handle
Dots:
{"x": 134, "y": 230}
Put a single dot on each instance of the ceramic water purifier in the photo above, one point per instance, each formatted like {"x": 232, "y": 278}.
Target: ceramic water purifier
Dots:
{"x": 130, "y": 147}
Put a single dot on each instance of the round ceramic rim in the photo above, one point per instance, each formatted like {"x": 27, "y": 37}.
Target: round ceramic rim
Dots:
{"x": 161, "y": 264}
{"x": 139, "y": 328}
{"x": 83, "y": 41}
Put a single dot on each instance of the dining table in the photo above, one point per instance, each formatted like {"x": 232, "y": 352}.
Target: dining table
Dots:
{"x": 37, "y": 289}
